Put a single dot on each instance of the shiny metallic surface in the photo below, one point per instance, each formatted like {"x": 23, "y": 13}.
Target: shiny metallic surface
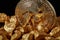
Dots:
{"x": 34, "y": 6}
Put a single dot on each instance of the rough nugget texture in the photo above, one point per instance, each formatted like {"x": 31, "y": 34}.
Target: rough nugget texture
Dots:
{"x": 33, "y": 20}
{"x": 31, "y": 27}
{"x": 3, "y": 17}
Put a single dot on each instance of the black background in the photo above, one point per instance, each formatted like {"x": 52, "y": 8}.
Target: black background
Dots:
{"x": 8, "y": 6}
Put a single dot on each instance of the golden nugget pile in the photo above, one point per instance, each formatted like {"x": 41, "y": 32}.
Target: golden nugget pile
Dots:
{"x": 29, "y": 27}
{"x": 28, "y": 23}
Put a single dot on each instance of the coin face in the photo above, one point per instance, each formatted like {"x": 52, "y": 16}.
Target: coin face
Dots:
{"x": 34, "y": 6}
{"x": 42, "y": 10}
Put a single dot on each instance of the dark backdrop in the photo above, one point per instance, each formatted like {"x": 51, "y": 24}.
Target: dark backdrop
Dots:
{"x": 8, "y": 6}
